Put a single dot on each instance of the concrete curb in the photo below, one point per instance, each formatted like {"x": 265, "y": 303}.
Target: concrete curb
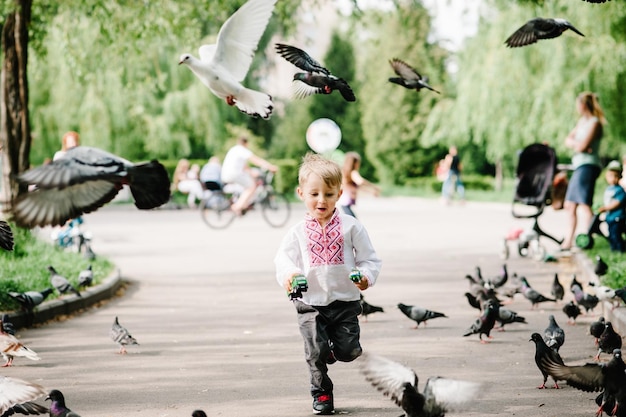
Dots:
{"x": 617, "y": 316}
{"x": 68, "y": 304}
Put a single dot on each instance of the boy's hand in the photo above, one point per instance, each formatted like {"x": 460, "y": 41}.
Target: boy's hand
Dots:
{"x": 363, "y": 284}
{"x": 296, "y": 285}
{"x": 359, "y": 280}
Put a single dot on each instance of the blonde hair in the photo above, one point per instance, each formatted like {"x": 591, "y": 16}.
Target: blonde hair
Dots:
{"x": 592, "y": 104}
{"x": 66, "y": 138}
{"x": 182, "y": 166}
{"x": 316, "y": 164}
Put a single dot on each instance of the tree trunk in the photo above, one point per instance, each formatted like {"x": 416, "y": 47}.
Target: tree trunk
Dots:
{"x": 15, "y": 139}
{"x": 499, "y": 175}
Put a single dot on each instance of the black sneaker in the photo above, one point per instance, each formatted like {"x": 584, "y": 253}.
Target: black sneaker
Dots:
{"x": 323, "y": 404}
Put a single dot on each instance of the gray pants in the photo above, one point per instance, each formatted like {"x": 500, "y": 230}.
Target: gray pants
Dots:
{"x": 336, "y": 324}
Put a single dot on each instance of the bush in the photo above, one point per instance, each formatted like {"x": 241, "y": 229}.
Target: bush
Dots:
{"x": 616, "y": 261}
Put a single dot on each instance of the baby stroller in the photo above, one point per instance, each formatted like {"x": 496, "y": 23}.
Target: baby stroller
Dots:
{"x": 536, "y": 170}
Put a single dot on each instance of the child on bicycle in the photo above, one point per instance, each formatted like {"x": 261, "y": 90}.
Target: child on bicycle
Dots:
{"x": 332, "y": 253}
{"x": 614, "y": 206}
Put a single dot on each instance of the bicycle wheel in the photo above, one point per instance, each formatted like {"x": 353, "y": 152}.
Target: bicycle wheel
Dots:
{"x": 215, "y": 211}
{"x": 275, "y": 209}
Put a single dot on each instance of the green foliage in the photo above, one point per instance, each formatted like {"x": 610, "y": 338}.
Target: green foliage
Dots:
{"x": 25, "y": 268}
{"x": 614, "y": 277}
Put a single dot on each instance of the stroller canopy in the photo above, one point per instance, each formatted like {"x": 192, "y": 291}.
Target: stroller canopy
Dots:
{"x": 535, "y": 171}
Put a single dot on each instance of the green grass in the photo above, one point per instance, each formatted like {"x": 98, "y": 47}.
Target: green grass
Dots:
{"x": 616, "y": 261}
{"x": 25, "y": 268}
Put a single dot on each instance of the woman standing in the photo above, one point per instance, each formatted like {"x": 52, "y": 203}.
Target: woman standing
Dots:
{"x": 584, "y": 140}
{"x": 351, "y": 181}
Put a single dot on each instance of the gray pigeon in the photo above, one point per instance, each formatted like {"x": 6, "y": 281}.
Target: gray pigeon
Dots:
{"x": 367, "y": 308}
{"x": 537, "y": 29}
{"x": 30, "y": 299}
{"x": 82, "y": 181}
{"x": 584, "y": 299}
{"x": 62, "y": 285}
{"x": 419, "y": 314}
{"x": 408, "y": 77}
{"x": 57, "y": 405}
{"x": 532, "y": 295}
{"x": 6, "y": 236}
{"x": 557, "y": 290}
{"x": 400, "y": 384}
{"x": 17, "y": 393}
{"x": 543, "y": 353}
{"x": 85, "y": 277}
{"x": 485, "y": 323}
{"x": 553, "y": 335}
{"x": 316, "y": 79}
{"x": 506, "y": 316}
{"x": 121, "y": 336}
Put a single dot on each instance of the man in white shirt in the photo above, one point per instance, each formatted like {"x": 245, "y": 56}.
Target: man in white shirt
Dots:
{"x": 236, "y": 169}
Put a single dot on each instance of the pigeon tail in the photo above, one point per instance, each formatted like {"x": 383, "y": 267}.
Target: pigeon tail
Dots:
{"x": 6, "y": 236}
{"x": 254, "y": 103}
{"x": 149, "y": 184}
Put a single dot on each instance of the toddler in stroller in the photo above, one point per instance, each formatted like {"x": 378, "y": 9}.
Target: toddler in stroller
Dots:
{"x": 535, "y": 176}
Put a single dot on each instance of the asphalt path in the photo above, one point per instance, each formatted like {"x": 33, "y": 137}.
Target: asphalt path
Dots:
{"x": 217, "y": 332}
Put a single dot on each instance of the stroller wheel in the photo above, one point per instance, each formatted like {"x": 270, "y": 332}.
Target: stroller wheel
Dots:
{"x": 584, "y": 241}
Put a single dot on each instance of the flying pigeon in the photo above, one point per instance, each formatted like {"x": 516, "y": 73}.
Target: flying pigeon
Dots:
{"x": 586, "y": 300}
{"x": 367, "y": 309}
{"x": 198, "y": 413}
{"x": 557, "y": 290}
{"x": 597, "y": 1}
{"x": 554, "y": 335}
{"x": 62, "y": 285}
{"x": 82, "y": 181}
{"x": 419, "y": 314}
{"x": 539, "y": 28}
{"x": 28, "y": 408}
{"x": 600, "y": 267}
{"x": 223, "y": 66}
{"x": 608, "y": 341}
{"x": 30, "y": 299}
{"x": 316, "y": 79}
{"x": 121, "y": 336}
{"x": 485, "y": 323}
{"x": 609, "y": 377}
{"x": 57, "y": 405}
{"x": 542, "y": 351}
{"x": 596, "y": 329}
{"x": 11, "y": 347}
{"x": 6, "y": 236}
{"x": 572, "y": 311}
{"x": 400, "y": 384}
{"x": 408, "y": 77}
{"x": 85, "y": 277}
{"x": 17, "y": 395}
{"x": 533, "y": 295}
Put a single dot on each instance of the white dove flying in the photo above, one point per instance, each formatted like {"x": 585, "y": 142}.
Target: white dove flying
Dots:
{"x": 223, "y": 66}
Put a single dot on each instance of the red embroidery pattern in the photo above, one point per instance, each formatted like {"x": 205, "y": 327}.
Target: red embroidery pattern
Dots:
{"x": 325, "y": 245}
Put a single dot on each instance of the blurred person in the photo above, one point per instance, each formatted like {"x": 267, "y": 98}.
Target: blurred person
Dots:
{"x": 614, "y": 206}
{"x": 186, "y": 181}
{"x": 211, "y": 174}
{"x": 70, "y": 140}
{"x": 351, "y": 181}
{"x": 452, "y": 164}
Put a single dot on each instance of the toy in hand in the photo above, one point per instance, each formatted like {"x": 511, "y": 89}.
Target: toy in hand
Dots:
{"x": 355, "y": 275}
{"x": 298, "y": 286}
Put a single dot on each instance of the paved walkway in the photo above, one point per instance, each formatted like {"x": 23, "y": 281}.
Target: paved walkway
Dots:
{"x": 218, "y": 333}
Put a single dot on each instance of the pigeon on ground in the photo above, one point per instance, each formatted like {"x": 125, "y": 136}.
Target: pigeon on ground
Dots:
{"x": 605, "y": 293}
{"x": 419, "y": 314}
{"x": 539, "y": 28}
{"x": 485, "y": 323}
{"x": 6, "y": 236}
{"x": 500, "y": 279}
{"x": 367, "y": 308}
{"x": 82, "y": 181}
{"x": 479, "y": 276}
{"x": 506, "y": 316}
{"x": 399, "y": 383}
{"x": 572, "y": 311}
{"x": 554, "y": 335}
{"x": 408, "y": 77}
{"x": 120, "y": 335}
{"x": 57, "y": 405}
{"x": 316, "y": 79}
{"x": 609, "y": 377}
{"x": 575, "y": 283}
{"x": 223, "y": 66}
{"x": 198, "y": 413}
{"x": 85, "y": 277}
{"x": 621, "y": 294}
{"x": 17, "y": 394}
{"x": 532, "y": 295}
{"x": 601, "y": 267}
{"x": 542, "y": 351}
{"x": 62, "y": 284}
{"x": 10, "y": 347}
{"x": 557, "y": 290}
{"x": 586, "y": 300}
{"x": 596, "y": 329}
{"x": 30, "y": 299}
{"x": 608, "y": 341}
{"x": 473, "y": 301}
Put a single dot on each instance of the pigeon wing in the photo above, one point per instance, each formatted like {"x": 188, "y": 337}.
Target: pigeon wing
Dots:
{"x": 300, "y": 59}
{"x": 6, "y": 236}
{"x": 525, "y": 35}
{"x": 16, "y": 391}
{"x": 387, "y": 376}
{"x": 444, "y": 394}
{"x": 239, "y": 37}
{"x": 301, "y": 90}
{"x": 588, "y": 377}
{"x": 404, "y": 70}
